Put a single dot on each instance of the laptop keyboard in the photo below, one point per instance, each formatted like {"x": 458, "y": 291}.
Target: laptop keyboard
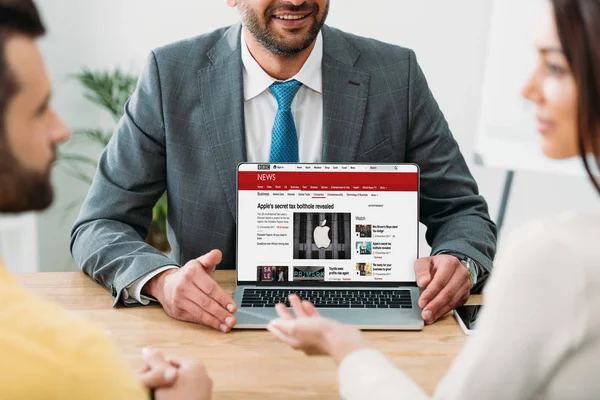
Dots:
{"x": 330, "y": 298}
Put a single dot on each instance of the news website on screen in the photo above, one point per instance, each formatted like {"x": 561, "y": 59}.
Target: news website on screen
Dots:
{"x": 327, "y": 223}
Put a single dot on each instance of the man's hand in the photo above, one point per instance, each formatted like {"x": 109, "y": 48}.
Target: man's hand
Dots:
{"x": 191, "y": 294}
{"x": 156, "y": 372}
{"x": 313, "y": 334}
{"x": 447, "y": 285}
{"x": 174, "y": 378}
{"x": 193, "y": 382}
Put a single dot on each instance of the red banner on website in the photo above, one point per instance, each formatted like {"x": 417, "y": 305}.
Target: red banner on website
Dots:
{"x": 329, "y": 181}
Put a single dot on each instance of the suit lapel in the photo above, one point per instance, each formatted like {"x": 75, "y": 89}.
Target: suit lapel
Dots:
{"x": 345, "y": 93}
{"x": 222, "y": 96}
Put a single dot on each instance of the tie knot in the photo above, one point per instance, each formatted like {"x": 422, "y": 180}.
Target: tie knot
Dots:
{"x": 285, "y": 92}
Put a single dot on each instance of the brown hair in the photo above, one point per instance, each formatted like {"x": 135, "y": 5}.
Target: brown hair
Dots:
{"x": 578, "y": 23}
{"x": 17, "y": 17}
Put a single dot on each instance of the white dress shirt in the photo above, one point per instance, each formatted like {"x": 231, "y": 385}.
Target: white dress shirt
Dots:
{"x": 260, "y": 109}
{"x": 538, "y": 336}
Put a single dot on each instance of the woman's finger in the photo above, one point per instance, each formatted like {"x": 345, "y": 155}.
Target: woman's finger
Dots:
{"x": 276, "y": 329}
{"x": 296, "y": 304}
{"x": 285, "y": 326}
{"x": 310, "y": 309}
{"x": 283, "y": 311}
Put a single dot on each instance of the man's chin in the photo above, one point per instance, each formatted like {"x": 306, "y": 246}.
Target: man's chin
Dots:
{"x": 291, "y": 44}
{"x": 292, "y": 37}
{"x": 292, "y": 49}
{"x": 43, "y": 203}
{"x": 28, "y": 199}
{"x": 21, "y": 189}
{"x": 42, "y": 197}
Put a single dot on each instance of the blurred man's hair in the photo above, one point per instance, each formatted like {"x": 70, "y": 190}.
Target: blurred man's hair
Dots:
{"x": 17, "y": 17}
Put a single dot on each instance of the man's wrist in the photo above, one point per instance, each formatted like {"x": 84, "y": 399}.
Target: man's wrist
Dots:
{"x": 472, "y": 266}
{"x": 154, "y": 287}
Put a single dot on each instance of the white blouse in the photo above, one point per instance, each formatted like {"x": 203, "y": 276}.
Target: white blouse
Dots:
{"x": 538, "y": 336}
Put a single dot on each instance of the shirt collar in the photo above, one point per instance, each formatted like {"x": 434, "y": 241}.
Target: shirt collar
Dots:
{"x": 256, "y": 80}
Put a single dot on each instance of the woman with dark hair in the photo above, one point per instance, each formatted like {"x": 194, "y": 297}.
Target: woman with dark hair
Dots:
{"x": 539, "y": 334}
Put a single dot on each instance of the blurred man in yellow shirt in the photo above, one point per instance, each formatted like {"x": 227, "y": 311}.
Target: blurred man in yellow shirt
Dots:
{"x": 45, "y": 352}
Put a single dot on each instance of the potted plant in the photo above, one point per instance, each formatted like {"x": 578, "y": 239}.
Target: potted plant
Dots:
{"x": 110, "y": 90}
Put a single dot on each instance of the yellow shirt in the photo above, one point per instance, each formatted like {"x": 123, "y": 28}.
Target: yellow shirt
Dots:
{"x": 47, "y": 353}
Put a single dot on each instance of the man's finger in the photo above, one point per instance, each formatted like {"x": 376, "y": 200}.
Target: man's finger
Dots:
{"x": 438, "y": 282}
{"x": 210, "y": 260}
{"x": 158, "y": 377}
{"x": 448, "y": 292}
{"x": 283, "y": 311}
{"x": 208, "y": 285}
{"x": 143, "y": 369}
{"x": 439, "y": 313}
{"x": 194, "y": 313}
{"x": 206, "y": 303}
{"x": 296, "y": 304}
{"x": 153, "y": 357}
{"x": 174, "y": 361}
{"x": 460, "y": 298}
{"x": 157, "y": 372}
{"x": 186, "y": 362}
{"x": 177, "y": 361}
{"x": 423, "y": 271}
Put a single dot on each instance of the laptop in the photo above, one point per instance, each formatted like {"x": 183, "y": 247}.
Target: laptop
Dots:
{"x": 343, "y": 236}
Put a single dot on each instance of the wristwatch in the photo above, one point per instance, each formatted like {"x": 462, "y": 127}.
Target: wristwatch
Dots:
{"x": 470, "y": 265}
{"x": 472, "y": 269}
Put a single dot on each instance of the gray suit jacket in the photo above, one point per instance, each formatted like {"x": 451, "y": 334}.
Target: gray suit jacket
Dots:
{"x": 183, "y": 132}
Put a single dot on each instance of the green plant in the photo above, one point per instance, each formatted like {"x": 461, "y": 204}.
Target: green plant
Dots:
{"x": 109, "y": 90}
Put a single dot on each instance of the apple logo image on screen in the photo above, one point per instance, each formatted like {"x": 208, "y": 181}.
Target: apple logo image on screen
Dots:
{"x": 321, "y": 236}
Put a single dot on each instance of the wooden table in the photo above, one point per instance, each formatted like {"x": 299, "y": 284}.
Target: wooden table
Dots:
{"x": 245, "y": 364}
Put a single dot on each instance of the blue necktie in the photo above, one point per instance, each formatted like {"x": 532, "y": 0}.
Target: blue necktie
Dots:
{"x": 284, "y": 142}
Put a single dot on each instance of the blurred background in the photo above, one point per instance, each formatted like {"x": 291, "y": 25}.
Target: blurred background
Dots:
{"x": 88, "y": 41}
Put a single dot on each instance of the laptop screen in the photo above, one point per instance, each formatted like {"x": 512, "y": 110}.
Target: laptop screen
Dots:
{"x": 327, "y": 224}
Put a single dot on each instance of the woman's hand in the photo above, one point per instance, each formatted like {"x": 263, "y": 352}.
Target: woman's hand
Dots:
{"x": 313, "y": 334}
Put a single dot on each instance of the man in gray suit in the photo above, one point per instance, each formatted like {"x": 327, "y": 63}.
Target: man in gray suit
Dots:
{"x": 205, "y": 104}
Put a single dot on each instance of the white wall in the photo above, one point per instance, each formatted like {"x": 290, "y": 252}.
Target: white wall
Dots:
{"x": 449, "y": 37}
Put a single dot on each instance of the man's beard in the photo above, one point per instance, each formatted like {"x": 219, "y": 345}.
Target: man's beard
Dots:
{"x": 259, "y": 28}
{"x": 22, "y": 190}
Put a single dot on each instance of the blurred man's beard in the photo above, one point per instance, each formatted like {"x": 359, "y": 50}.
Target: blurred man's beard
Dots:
{"x": 22, "y": 190}
{"x": 260, "y": 28}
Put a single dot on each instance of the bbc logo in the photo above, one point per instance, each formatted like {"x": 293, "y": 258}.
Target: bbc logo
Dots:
{"x": 264, "y": 167}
